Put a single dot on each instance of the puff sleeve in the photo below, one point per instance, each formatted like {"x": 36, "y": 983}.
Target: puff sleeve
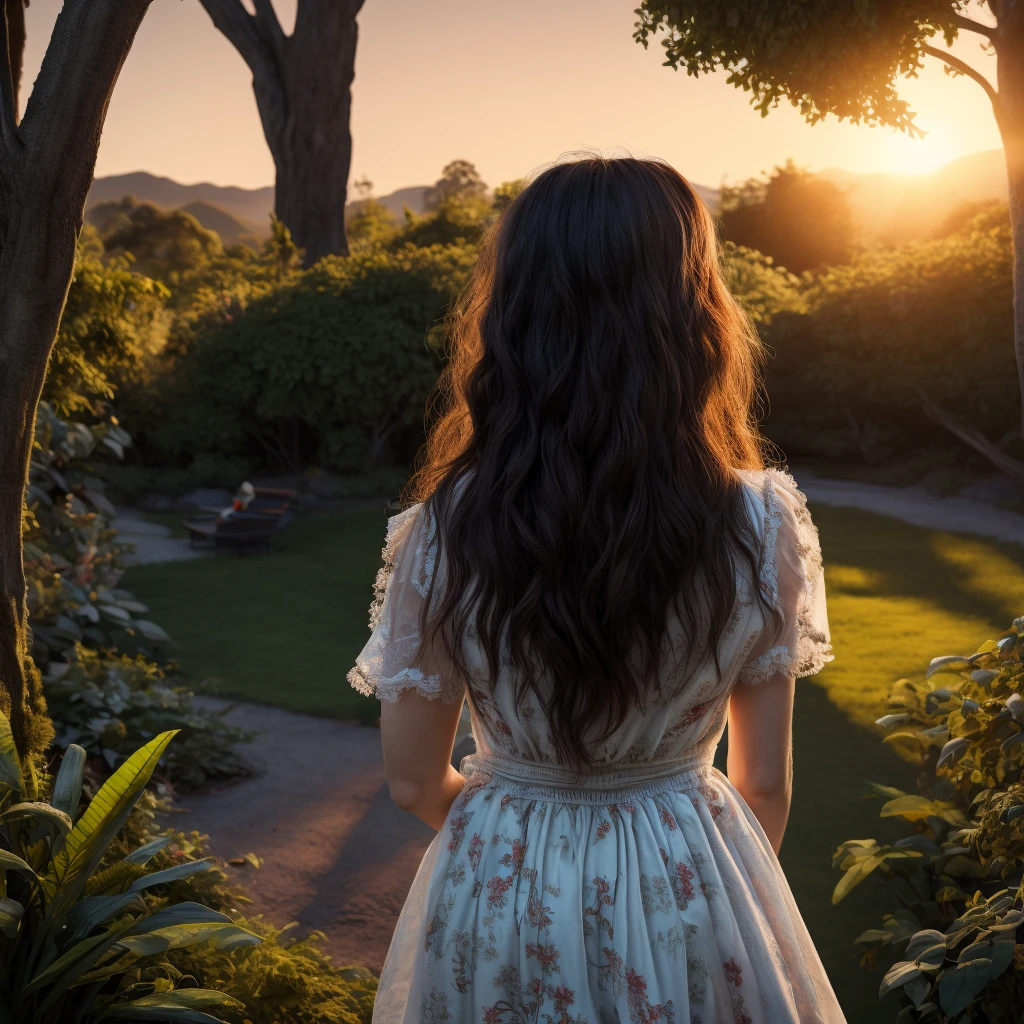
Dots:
{"x": 792, "y": 581}
{"x": 392, "y": 661}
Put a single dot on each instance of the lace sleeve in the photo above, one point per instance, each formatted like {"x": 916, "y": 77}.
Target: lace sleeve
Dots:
{"x": 792, "y": 581}
{"x": 392, "y": 660}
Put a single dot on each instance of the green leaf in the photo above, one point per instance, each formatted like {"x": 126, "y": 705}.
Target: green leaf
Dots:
{"x": 855, "y": 876}
{"x": 899, "y": 974}
{"x": 11, "y": 862}
{"x": 59, "y": 822}
{"x": 226, "y": 936}
{"x": 958, "y": 987}
{"x": 151, "y": 631}
{"x": 151, "y": 849}
{"x": 10, "y": 764}
{"x": 66, "y": 793}
{"x": 171, "y": 874}
{"x": 948, "y": 663}
{"x": 102, "y": 820}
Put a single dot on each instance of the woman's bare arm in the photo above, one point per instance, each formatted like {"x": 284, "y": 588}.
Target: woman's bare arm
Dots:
{"x": 417, "y": 735}
{"x": 761, "y": 751}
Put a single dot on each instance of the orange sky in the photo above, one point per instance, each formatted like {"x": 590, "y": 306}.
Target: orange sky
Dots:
{"x": 508, "y": 85}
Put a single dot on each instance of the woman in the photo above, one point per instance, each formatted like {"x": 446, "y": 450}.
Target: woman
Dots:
{"x": 601, "y": 564}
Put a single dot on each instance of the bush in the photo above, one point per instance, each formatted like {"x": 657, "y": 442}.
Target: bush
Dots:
{"x": 332, "y": 368}
{"x": 959, "y": 874}
{"x": 113, "y": 326}
{"x": 79, "y": 940}
{"x": 110, "y": 704}
{"x": 106, "y": 701}
{"x": 933, "y": 316}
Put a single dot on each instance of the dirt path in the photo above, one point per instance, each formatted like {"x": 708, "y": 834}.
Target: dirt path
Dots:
{"x": 916, "y": 506}
{"x": 338, "y": 855}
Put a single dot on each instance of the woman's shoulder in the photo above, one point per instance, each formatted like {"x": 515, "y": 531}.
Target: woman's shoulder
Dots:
{"x": 769, "y": 491}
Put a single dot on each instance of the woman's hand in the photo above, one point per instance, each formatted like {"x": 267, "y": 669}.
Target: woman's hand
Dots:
{"x": 417, "y": 735}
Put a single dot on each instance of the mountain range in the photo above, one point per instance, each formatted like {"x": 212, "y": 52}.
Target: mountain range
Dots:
{"x": 885, "y": 207}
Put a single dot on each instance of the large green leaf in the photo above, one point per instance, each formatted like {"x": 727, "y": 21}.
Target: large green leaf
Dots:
{"x": 11, "y": 862}
{"x": 172, "y": 874}
{"x": 182, "y": 998}
{"x": 88, "y": 914}
{"x": 222, "y": 936}
{"x": 102, "y": 820}
{"x": 151, "y": 849}
{"x": 10, "y": 764}
{"x": 67, "y": 786}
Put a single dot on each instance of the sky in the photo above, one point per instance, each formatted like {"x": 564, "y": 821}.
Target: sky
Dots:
{"x": 507, "y": 84}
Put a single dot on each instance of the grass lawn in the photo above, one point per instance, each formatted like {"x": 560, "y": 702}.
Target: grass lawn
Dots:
{"x": 285, "y": 629}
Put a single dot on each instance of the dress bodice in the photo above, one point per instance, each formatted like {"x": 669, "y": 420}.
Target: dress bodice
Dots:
{"x": 686, "y": 716}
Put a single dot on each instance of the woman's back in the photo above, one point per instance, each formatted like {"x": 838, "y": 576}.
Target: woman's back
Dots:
{"x": 601, "y": 567}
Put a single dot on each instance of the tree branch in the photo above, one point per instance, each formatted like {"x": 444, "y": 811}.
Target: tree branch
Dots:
{"x": 267, "y": 23}
{"x": 235, "y": 22}
{"x": 964, "y": 68}
{"x": 970, "y": 25}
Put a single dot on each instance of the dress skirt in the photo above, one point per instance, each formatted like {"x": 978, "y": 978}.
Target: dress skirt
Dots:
{"x": 648, "y": 896}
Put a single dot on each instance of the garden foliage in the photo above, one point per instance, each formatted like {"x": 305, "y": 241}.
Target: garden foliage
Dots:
{"x": 332, "y": 367}
{"x": 107, "y": 701}
{"x": 958, "y": 874}
{"x": 934, "y": 316}
{"x": 79, "y": 941}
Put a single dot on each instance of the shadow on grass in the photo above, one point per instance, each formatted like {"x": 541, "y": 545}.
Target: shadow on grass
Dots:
{"x": 910, "y": 561}
{"x": 833, "y": 761}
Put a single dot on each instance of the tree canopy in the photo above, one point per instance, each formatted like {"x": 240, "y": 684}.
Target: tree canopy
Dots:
{"x": 841, "y": 57}
{"x": 800, "y": 220}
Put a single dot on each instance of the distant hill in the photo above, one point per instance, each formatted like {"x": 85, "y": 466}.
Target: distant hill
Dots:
{"x": 887, "y": 207}
{"x": 248, "y": 205}
{"x": 232, "y": 230}
{"x": 901, "y": 207}
{"x": 247, "y": 210}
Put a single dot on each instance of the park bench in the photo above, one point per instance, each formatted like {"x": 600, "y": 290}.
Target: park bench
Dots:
{"x": 249, "y": 529}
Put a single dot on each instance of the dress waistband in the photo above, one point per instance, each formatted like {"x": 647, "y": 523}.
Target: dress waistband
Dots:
{"x": 594, "y": 778}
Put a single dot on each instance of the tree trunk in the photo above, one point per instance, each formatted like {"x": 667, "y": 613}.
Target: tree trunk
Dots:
{"x": 303, "y": 89}
{"x": 45, "y": 174}
{"x": 1009, "y": 111}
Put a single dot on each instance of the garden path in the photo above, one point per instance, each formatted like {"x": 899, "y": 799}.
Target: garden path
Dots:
{"x": 916, "y": 506}
{"x": 153, "y": 541}
{"x": 338, "y": 856}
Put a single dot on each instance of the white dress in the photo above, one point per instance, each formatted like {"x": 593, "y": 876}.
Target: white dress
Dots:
{"x": 643, "y": 892}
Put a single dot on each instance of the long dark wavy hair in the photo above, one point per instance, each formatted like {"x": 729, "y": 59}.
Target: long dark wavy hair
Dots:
{"x": 581, "y": 473}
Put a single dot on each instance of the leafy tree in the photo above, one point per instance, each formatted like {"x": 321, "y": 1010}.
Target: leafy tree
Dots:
{"x": 934, "y": 315}
{"x": 113, "y": 321}
{"x": 48, "y": 160}
{"x": 507, "y": 191}
{"x": 303, "y": 88}
{"x": 164, "y": 244}
{"x": 844, "y": 58}
{"x": 459, "y": 180}
{"x": 798, "y": 219}
{"x": 333, "y": 366}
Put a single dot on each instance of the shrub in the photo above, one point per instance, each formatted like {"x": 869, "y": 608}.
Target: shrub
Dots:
{"x": 329, "y": 368}
{"x": 113, "y": 326}
{"x": 935, "y": 316}
{"x": 959, "y": 874}
{"x": 110, "y": 703}
{"x": 78, "y": 941}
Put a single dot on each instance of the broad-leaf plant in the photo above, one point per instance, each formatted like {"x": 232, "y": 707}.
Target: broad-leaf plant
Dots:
{"x": 958, "y": 875}
{"x": 81, "y": 943}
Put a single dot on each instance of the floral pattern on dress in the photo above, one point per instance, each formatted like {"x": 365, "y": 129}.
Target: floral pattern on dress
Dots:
{"x": 652, "y": 902}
